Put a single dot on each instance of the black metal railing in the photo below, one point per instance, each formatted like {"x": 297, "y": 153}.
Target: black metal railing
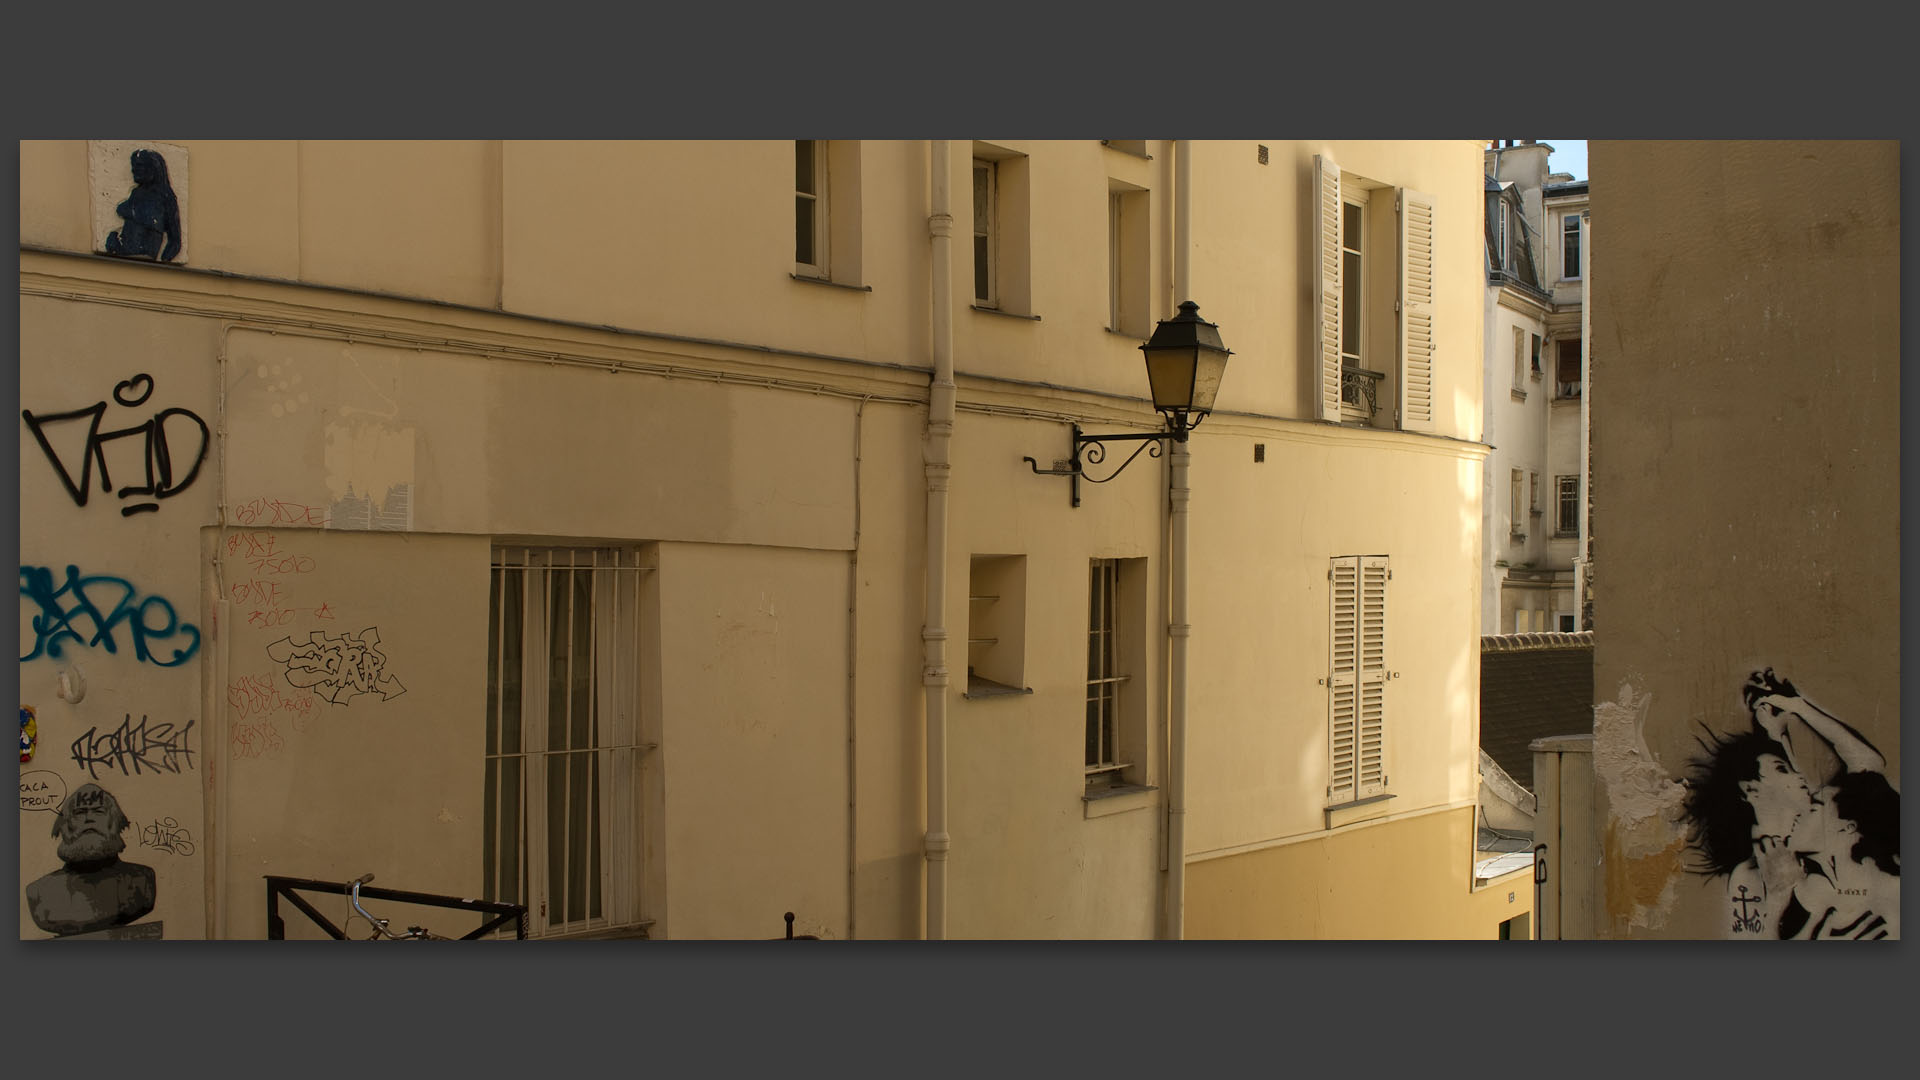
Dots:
{"x": 1359, "y": 387}
{"x": 278, "y": 887}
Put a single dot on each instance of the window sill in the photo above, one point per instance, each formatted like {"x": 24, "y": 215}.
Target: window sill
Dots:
{"x": 1118, "y": 799}
{"x": 978, "y": 687}
{"x": 1566, "y": 536}
{"x": 1128, "y": 334}
{"x": 1519, "y": 394}
{"x": 1349, "y": 813}
{"x": 811, "y": 280}
{"x": 1003, "y": 314}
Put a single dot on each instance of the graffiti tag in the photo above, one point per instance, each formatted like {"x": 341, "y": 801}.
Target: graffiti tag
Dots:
{"x": 337, "y": 668}
{"x": 132, "y": 747}
{"x": 259, "y": 695}
{"x": 77, "y": 611}
{"x": 267, "y": 512}
{"x": 157, "y": 454}
{"x": 258, "y": 739}
{"x": 261, "y": 551}
{"x": 167, "y": 835}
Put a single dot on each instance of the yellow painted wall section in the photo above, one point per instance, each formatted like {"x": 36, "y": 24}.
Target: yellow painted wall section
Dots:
{"x": 1260, "y": 647}
{"x": 1401, "y": 879}
{"x": 754, "y": 740}
{"x": 338, "y": 779}
{"x": 138, "y": 728}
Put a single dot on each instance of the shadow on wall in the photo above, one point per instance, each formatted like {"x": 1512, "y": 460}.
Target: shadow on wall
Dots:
{"x": 1799, "y": 861}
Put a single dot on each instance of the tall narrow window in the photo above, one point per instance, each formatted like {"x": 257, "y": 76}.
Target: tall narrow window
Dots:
{"x": 1357, "y": 679}
{"x": 810, "y": 206}
{"x": 1570, "y": 246}
{"x": 1116, "y": 266}
{"x": 1566, "y": 380}
{"x": 1519, "y": 360}
{"x": 561, "y": 737}
{"x": 1569, "y": 517}
{"x": 984, "y": 177}
{"x": 1516, "y": 511}
{"x": 1501, "y": 245}
{"x": 1352, "y": 245}
{"x": 1533, "y": 493}
{"x": 1536, "y": 353}
{"x": 1104, "y": 678}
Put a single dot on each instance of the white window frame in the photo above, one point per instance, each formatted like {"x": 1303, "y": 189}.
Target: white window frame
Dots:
{"x": 1357, "y": 679}
{"x": 1570, "y": 253}
{"x": 1520, "y": 360}
{"x": 613, "y": 747}
{"x": 986, "y": 232}
{"x": 810, "y": 209}
{"x": 1567, "y": 515}
{"x": 1353, "y": 293}
{"x": 1116, "y": 263}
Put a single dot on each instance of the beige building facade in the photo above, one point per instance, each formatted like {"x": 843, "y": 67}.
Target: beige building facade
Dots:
{"x": 1535, "y": 500}
{"x": 1743, "y": 777}
{"x": 606, "y": 527}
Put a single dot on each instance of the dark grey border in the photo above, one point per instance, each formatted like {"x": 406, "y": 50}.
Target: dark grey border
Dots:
{"x": 900, "y": 71}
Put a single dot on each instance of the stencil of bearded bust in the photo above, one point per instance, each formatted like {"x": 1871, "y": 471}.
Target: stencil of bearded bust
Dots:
{"x": 94, "y": 890}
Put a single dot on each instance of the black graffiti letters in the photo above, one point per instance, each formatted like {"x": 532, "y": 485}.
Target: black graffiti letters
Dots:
{"x": 78, "y": 600}
{"x": 132, "y": 747}
{"x": 160, "y": 457}
{"x": 337, "y": 668}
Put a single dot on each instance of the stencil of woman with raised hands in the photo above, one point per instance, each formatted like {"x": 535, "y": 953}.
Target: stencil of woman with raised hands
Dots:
{"x": 1847, "y": 844}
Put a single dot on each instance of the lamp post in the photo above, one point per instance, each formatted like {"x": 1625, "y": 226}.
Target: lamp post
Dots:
{"x": 1185, "y": 363}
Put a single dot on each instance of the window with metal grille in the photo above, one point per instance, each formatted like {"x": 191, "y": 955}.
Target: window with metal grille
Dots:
{"x": 1104, "y": 678}
{"x": 1569, "y": 520}
{"x": 1357, "y": 679}
{"x": 562, "y": 738}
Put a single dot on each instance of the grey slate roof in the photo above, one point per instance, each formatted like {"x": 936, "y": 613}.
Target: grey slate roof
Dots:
{"x": 1533, "y": 686}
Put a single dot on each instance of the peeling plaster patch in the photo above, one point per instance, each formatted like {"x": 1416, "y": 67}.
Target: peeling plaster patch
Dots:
{"x": 1642, "y": 840}
{"x": 370, "y": 466}
{"x": 445, "y": 817}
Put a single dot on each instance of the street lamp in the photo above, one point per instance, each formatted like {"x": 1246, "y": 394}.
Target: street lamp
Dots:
{"x": 1185, "y": 362}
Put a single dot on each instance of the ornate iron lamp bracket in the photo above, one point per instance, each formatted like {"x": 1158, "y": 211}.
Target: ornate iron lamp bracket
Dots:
{"x": 1092, "y": 450}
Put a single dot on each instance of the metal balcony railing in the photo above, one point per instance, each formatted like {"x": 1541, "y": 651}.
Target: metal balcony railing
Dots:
{"x": 1359, "y": 387}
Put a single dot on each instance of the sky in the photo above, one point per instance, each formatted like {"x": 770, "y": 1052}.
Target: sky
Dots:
{"x": 1569, "y": 156}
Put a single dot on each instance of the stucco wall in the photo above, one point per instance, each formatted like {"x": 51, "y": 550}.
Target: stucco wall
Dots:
{"x": 1746, "y": 448}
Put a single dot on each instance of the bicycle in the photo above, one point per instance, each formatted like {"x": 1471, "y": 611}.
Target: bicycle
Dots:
{"x": 380, "y": 931}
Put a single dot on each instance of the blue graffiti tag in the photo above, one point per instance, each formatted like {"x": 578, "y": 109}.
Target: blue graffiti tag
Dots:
{"x": 77, "y": 601}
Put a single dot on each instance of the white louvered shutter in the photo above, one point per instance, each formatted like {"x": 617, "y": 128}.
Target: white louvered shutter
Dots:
{"x": 1416, "y": 311}
{"x": 1326, "y": 326}
{"x": 1371, "y": 705}
{"x": 1342, "y": 682}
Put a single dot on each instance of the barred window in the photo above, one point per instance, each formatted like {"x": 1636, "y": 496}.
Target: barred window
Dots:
{"x": 562, "y": 748}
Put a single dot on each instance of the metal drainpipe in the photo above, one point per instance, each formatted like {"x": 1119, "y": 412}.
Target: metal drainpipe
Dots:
{"x": 937, "y": 450}
{"x": 1178, "y": 629}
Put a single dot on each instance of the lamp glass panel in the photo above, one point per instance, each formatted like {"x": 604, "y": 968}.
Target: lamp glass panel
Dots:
{"x": 1170, "y": 376}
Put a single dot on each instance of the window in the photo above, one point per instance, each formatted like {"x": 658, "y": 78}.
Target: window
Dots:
{"x": 1566, "y": 379}
{"x": 826, "y": 211}
{"x": 1502, "y": 246}
{"x": 562, "y": 746}
{"x": 810, "y": 206}
{"x": 1566, "y": 624}
{"x": 996, "y": 626}
{"x": 1000, "y": 235}
{"x": 985, "y": 173}
{"x": 1568, "y": 521}
{"x": 1520, "y": 362}
{"x": 1536, "y": 354}
{"x": 1516, "y": 512}
{"x": 1103, "y": 674}
{"x": 1570, "y": 245}
{"x": 1116, "y": 743}
{"x": 1128, "y": 239}
{"x": 1357, "y": 679}
{"x": 1367, "y": 317}
{"x": 1533, "y": 494}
